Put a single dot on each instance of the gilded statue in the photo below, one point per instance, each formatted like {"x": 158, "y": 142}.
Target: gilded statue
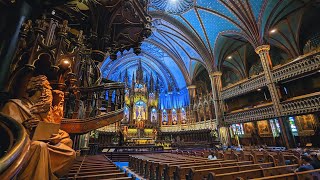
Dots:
{"x": 54, "y": 157}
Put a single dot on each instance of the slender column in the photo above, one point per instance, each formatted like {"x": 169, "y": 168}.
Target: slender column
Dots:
{"x": 216, "y": 86}
{"x": 263, "y": 52}
{"x": 110, "y": 100}
{"x": 192, "y": 95}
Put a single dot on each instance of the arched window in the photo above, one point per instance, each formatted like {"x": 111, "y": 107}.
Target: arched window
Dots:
{"x": 154, "y": 115}
{"x": 174, "y": 117}
{"x": 183, "y": 116}
{"x": 237, "y": 129}
{"x": 126, "y": 116}
{"x": 164, "y": 117}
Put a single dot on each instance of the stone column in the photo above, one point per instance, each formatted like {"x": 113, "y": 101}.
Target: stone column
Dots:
{"x": 216, "y": 86}
{"x": 263, "y": 52}
{"x": 192, "y": 96}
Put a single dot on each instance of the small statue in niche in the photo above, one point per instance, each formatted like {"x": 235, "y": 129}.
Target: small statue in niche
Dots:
{"x": 54, "y": 157}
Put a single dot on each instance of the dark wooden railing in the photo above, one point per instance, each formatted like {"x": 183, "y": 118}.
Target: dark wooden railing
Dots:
{"x": 108, "y": 99}
{"x": 14, "y": 153}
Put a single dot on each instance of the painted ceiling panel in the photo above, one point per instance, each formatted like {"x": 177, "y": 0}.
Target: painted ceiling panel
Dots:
{"x": 214, "y": 25}
{"x": 191, "y": 17}
{"x": 256, "y": 6}
{"x": 192, "y": 67}
{"x": 276, "y": 10}
{"x": 181, "y": 20}
{"x": 217, "y": 6}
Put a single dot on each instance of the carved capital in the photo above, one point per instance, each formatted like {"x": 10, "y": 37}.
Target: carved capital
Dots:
{"x": 262, "y": 48}
{"x": 192, "y": 87}
{"x": 215, "y": 73}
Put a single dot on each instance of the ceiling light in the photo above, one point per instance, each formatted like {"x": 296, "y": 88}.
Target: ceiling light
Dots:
{"x": 229, "y": 57}
{"x": 273, "y": 31}
{"x": 66, "y": 61}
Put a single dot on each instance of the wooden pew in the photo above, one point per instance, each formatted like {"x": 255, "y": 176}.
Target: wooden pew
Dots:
{"x": 170, "y": 168}
{"x": 158, "y": 165}
{"x": 312, "y": 175}
{"x": 148, "y": 164}
{"x": 203, "y": 173}
{"x": 181, "y": 171}
{"x": 140, "y": 163}
{"x": 166, "y": 169}
{"x": 255, "y": 173}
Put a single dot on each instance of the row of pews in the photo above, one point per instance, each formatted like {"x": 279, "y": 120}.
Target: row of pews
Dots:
{"x": 229, "y": 165}
{"x": 95, "y": 167}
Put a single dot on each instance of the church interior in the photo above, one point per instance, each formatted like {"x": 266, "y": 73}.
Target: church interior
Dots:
{"x": 159, "y": 89}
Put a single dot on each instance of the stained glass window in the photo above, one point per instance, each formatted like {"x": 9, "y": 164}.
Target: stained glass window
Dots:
{"x": 237, "y": 129}
{"x": 126, "y": 116}
{"x": 174, "y": 117}
{"x": 183, "y": 116}
{"x": 275, "y": 126}
{"x": 164, "y": 117}
{"x": 293, "y": 126}
{"x": 154, "y": 116}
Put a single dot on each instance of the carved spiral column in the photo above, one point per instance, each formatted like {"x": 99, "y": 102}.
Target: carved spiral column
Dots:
{"x": 263, "y": 52}
{"x": 216, "y": 86}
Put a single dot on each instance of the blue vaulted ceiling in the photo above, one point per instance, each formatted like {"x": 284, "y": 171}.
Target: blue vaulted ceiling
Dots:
{"x": 190, "y": 33}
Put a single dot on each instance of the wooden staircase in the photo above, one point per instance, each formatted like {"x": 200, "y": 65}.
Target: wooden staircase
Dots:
{"x": 95, "y": 167}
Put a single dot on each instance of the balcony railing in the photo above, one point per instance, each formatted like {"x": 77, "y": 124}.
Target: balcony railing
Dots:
{"x": 302, "y": 104}
{"x": 264, "y": 111}
{"x": 109, "y": 105}
{"x": 302, "y": 65}
{"x": 244, "y": 86}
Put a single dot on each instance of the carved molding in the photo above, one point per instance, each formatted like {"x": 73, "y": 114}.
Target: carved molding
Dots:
{"x": 263, "y": 112}
{"x": 302, "y": 65}
{"x": 244, "y": 87}
{"x": 303, "y": 104}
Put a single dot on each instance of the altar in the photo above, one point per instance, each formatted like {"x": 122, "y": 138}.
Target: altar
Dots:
{"x": 140, "y": 122}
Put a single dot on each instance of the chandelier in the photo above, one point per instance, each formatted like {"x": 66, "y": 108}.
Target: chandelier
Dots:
{"x": 172, "y": 6}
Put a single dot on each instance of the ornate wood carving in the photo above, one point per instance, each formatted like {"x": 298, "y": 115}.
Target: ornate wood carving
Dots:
{"x": 302, "y": 65}
{"x": 263, "y": 112}
{"x": 244, "y": 87}
{"x": 301, "y": 105}
{"x": 298, "y": 67}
